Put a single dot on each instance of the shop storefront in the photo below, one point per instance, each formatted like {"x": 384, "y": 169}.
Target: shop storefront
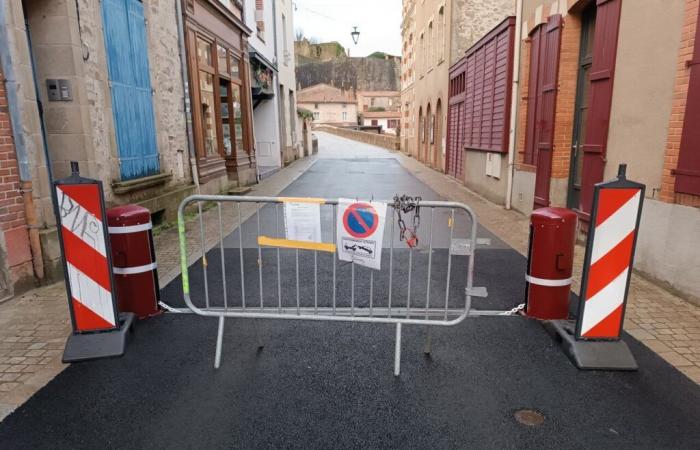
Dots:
{"x": 218, "y": 68}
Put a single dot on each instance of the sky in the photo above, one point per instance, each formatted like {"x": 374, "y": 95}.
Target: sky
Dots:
{"x": 378, "y": 21}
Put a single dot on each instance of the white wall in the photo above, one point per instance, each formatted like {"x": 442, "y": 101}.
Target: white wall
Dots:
{"x": 267, "y": 146}
{"x": 285, "y": 65}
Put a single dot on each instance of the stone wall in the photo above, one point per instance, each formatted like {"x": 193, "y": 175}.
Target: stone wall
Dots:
{"x": 363, "y": 74}
{"x": 380, "y": 140}
{"x": 472, "y": 19}
{"x": 324, "y": 51}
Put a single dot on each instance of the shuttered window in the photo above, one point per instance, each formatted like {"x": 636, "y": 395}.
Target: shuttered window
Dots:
{"x": 488, "y": 69}
{"x": 547, "y": 79}
{"x": 456, "y": 101}
{"x": 688, "y": 170}
{"x": 600, "y": 98}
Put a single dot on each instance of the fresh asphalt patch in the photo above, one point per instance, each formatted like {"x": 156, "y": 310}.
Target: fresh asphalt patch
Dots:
{"x": 330, "y": 385}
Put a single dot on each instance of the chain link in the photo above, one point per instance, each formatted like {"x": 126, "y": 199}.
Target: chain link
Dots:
{"x": 407, "y": 204}
{"x": 512, "y": 311}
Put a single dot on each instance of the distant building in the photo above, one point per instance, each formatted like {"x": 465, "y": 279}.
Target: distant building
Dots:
{"x": 372, "y": 100}
{"x": 388, "y": 120}
{"x": 329, "y": 105}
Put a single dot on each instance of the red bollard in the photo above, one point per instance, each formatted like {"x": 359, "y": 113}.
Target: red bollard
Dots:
{"x": 134, "y": 260}
{"x": 550, "y": 263}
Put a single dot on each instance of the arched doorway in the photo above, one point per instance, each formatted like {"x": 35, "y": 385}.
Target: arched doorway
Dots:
{"x": 429, "y": 136}
{"x": 437, "y": 147}
{"x": 420, "y": 136}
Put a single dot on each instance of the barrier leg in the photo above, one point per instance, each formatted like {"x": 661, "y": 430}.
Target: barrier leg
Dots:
{"x": 428, "y": 341}
{"x": 219, "y": 342}
{"x": 258, "y": 336}
{"x": 397, "y": 352}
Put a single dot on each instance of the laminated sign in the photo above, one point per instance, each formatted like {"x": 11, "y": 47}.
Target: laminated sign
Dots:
{"x": 360, "y": 232}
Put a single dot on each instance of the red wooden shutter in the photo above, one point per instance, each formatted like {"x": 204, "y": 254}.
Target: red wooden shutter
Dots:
{"x": 546, "y": 109}
{"x": 600, "y": 100}
{"x": 532, "y": 92}
{"x": 688, "y": 170}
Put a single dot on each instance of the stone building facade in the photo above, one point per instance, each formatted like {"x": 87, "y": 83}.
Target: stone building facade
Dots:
{"x": 435, "y": 34}
{"x": 63, "y": 78}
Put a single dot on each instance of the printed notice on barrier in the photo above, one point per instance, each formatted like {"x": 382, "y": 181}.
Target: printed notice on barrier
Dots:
{"x": 360, "y": 232}
{"x": 302, "y": 221}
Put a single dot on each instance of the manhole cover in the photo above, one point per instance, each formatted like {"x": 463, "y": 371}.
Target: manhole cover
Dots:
{"x": 529, "y": 417}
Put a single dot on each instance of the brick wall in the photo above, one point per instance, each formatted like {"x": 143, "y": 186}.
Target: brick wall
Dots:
{"x": 566, "y": 96}
{"x": 680, "y": 94}
{"x": 15, "y": 264}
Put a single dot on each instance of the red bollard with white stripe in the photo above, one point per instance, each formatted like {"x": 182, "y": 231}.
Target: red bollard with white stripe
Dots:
{"x": 98, "y": 328}
{"x": 614, "y": 224}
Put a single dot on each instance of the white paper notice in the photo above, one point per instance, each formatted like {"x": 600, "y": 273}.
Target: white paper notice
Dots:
{"x": 302, "y": 221}
{"x": 360, "y": 232}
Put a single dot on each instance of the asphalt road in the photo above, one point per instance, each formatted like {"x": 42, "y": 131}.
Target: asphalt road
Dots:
{"x": 330, "y": 385}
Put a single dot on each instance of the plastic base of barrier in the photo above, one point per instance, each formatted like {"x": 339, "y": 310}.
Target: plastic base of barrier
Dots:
{"x": 108, "y": 344}
{"x": 591, "y": 355}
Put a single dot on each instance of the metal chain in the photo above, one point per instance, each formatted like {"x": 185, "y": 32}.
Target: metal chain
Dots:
{"x": 512, "y": 311}
{"x": 407, "y": 204}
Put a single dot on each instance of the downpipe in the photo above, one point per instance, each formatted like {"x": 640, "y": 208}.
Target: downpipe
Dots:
{"x": 514, "y": 102}
{"x": 32, "y": 229}
{"x": 186, "y": 95}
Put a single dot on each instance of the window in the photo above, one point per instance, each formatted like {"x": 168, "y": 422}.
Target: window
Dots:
{"x": 260, "y": 19}
{"x": 688, "y": 170}
{"x": 315, "y": 105}
{"x": 285, "y": 45}
{"x": 431, "y": 43}
{"x": 483, "y": 81}
{"x": 316, "y": 115}
{"x": 421, "y": 61}
{"x": 206, "y": 93}
{"x": 222, "y": 122}
{"x": 371, "y": 101}
{"x": 345, "y": 116}
{"x": 442, "y": 26}
{"x": 345, "y": 105}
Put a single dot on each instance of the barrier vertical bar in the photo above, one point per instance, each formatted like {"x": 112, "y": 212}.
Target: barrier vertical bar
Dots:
{"x": 279, "y": 276}
{"x": 260, "y": 262}
{"x": 391, "y": 258}
{"x": 397, "y": 351}
{"x": 240, "y": 252}
{"x": 223, "y": 258}
{"x": 449, "y": 259}
{"x": 204, "y": 254}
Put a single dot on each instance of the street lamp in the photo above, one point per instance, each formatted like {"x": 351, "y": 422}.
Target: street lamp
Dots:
{"x": 355, "y": 35}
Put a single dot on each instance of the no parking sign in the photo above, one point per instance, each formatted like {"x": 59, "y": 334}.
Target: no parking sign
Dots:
{"x": 360, "y": 232}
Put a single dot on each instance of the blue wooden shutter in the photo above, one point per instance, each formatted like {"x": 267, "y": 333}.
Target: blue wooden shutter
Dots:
{"x": 132, "y": 103}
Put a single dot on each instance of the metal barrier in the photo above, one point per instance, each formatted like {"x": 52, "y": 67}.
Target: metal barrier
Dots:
{"x": 399, "y": 294}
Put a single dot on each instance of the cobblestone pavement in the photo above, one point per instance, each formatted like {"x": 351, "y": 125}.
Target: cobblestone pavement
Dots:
{"x": 33, "y": 327}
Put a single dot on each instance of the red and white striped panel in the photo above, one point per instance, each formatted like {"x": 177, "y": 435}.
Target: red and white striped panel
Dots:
{"x": 611, "y": 256}
{"x": 82, "y": 231}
